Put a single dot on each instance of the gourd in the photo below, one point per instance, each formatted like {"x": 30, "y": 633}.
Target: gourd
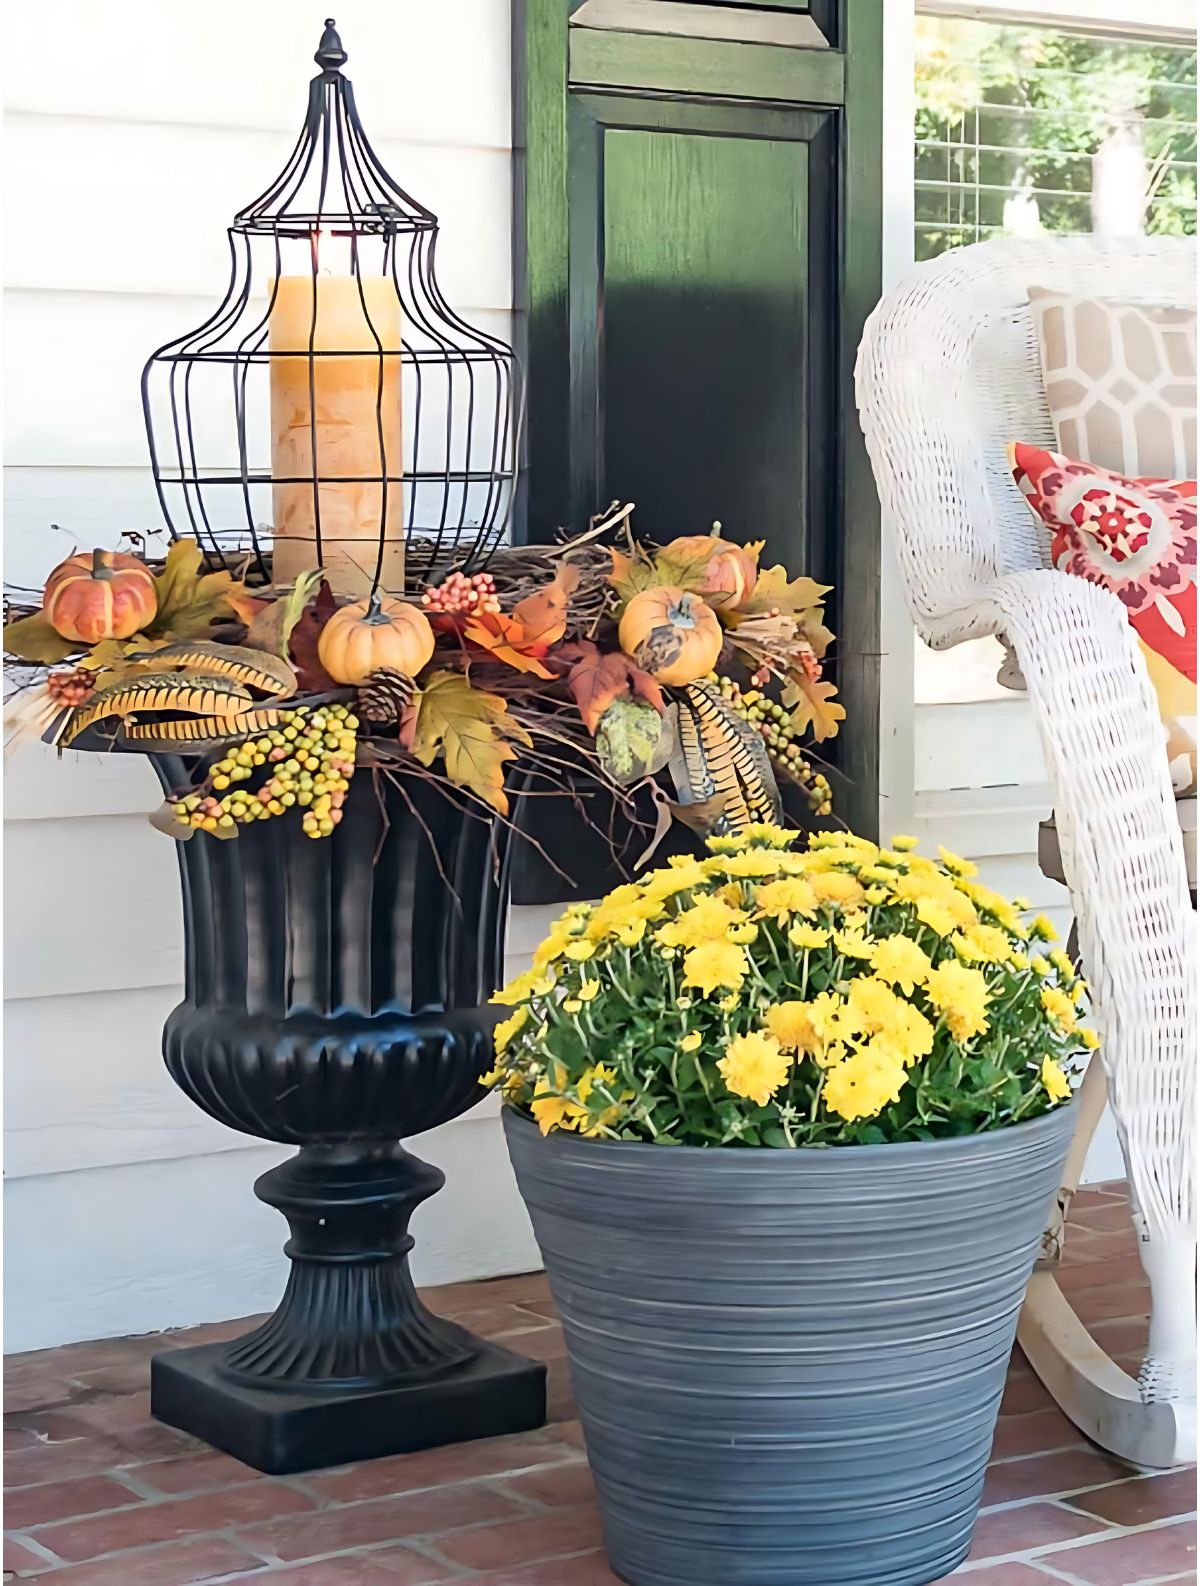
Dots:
{"x": 730, "y": 571}
{"x": 97, "y": 595}
{"x": 672, "y": 634}
{"x": 373, "y": 634}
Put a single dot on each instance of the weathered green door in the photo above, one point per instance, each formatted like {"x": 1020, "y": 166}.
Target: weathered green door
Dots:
{"x": 697, "y": 246}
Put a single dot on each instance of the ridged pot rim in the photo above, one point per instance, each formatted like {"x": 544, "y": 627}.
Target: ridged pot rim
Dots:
{"x": 796, "y": 1158}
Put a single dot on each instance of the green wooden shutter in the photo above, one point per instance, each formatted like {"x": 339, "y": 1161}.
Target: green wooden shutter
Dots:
{"x": 697, "y": 245}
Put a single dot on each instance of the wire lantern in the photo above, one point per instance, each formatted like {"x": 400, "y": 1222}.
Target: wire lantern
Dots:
{"x": 334, "y": 394}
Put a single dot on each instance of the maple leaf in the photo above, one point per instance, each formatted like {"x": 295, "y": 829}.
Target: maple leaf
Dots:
{"x": 631, "y": 574}
{"x": 814, "y": 705}
{"x": 502, "y": 638}
{"x": 597, "y": 681}
{"x": 191, "y": 602}
{"x": 774, "y": 591}
{"x": 471, "y": 730}
{"x": 543, "y": 615}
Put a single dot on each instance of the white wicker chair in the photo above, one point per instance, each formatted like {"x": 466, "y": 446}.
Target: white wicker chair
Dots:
{"x": 948, "y": 374}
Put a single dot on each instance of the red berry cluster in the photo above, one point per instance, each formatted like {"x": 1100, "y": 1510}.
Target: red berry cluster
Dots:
{"x": 71, "y": 688}
{"x": 460, "y": 596}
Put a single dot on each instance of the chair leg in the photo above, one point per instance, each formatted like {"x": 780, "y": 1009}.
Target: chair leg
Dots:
{"x": 1125, "y": 1417}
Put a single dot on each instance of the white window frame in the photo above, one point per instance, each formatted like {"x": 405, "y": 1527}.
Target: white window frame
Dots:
{"x": 1164, "y": 19}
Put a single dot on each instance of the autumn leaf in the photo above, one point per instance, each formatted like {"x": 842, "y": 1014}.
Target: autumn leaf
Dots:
{"x": 33, "y": 639}
{"x": 271, "y": 628}
{"x": 190, "y": 601}
{"x": 543, "y": 615}
{"x": 472, "y": 730}
{"x": 311, "y": 676}
{"x": 597, "y": 680}
{"x": 775, "y": 591}
{"x": 631, "y": 574}
{"x": 813, "y": 704}
{"x": 503, "y": 637}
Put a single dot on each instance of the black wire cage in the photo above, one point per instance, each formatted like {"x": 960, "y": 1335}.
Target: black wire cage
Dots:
{"x": 334, "y": 410}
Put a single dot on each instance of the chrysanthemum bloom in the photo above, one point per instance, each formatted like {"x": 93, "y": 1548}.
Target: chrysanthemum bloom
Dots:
{"x": 790, "y": 895}
{"x": 898, "y": 960}
{"x": 1059, "y": 1006}
{"x": 1055, "y": 1082}
{"x": 961, "y": 996}
{"x": 754, "y": 1066}
{"x": 982, "y": 944}
{"x": 707, "y": 920}
{"x": 862, "y": 1085}
{"x": 715, "y": 964}
{"x": 507, "y": 1028}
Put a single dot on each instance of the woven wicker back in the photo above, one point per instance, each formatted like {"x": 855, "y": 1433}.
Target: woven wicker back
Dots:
{"x": 949, "y": 375}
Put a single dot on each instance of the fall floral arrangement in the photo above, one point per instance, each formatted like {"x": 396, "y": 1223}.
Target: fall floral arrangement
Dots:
{"x": 689, "y": 659}
{"x": 776, "y": 995}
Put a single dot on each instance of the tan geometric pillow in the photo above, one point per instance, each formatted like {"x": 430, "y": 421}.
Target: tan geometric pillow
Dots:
{"x": 1120, "y": 382}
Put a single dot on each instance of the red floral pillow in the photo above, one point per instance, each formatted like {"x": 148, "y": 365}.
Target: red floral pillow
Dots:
{"x": 1137, "y": 538}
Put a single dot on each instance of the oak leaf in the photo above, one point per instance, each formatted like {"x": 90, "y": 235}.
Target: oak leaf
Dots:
{"x": 631, "y": 574}
{"x": 190, "y": 601}
{"x": 471, "y": 730}
{"x": 597, "y": 680}
{"x": 814, "y": 705}
{"x": 775, "y": 591}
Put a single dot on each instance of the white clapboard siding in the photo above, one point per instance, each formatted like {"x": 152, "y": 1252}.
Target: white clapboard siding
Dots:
{"x": 976, "y": 744}
{"x": 153, "y": 1244}
{"x": 132, "y": 138}
{"x": 148, "y": 207}
{"x": 432, "y": 70}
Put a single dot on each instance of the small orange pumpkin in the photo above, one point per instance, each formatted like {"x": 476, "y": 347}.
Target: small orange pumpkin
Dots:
{"x": 731, "y": 571}
{"x": 372, "y": 634}
{"x": 97, "y": 595}
{"x": 672, "y": 634}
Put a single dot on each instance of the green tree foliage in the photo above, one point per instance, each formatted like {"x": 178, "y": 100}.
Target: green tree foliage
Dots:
{"x": 1003, "y": 109}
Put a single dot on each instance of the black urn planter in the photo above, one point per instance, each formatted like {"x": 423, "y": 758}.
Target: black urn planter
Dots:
{"x": 335, "y": 1000}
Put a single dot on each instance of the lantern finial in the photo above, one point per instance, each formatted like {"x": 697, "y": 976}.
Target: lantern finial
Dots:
{"x": 330, "y": 56}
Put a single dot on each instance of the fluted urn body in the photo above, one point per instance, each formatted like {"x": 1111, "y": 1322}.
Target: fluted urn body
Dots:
{"x": 336, "y": 999}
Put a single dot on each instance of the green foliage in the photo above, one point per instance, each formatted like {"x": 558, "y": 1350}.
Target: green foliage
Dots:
{"x": 1012, "y": 101}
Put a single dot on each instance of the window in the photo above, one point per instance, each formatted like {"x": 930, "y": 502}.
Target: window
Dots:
{"x": 1023, "y": 128}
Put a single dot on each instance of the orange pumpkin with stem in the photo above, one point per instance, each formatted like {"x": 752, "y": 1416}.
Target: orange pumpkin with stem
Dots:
{"x": 672, "y": 634}
{"x": 97, "y": 595}
{"x": 730, "y": 571}
{"x": 372, "y": 634}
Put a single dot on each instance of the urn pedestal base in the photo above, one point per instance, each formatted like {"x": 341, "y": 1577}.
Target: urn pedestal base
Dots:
{"x": 281, "y": 1431}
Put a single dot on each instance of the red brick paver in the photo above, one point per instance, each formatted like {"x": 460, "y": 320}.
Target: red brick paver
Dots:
{"x": 97, "y": 1494}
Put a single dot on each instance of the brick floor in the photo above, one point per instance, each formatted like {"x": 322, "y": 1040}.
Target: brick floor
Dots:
{"x": 97, "y": 1494}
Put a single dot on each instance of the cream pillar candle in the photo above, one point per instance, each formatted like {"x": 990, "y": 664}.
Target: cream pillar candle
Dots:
{"x": 344, "y": 400}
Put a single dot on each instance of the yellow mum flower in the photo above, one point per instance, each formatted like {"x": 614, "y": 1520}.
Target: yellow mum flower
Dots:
{"x": 753, "y": 862}
{"x": 494, "y": 1076}
{"x": 754, "y": 1066}
{"x": 1062, "y": 963}
{"x": 715, "y": 964}
{"x": 1054, "y": 1081}
{"x": 589, "y": 990}
{"x": 763, "y": 834}
{"x": 730, "y": 843}
{"x": 745, "y": 933}
{"x": 790, "y": 895}
{"x": 1043, "y": 930}
{"x": 580, "y": 951}
{"x": 1019, "y": 961}
{"x": 904, "y": 844}
{"x": 982, "y": 944}
{"x": 809, "y": 1027}
{"x": 678, "y": 878}
{"x": 1039, "y": 965}
{"x": 729, "y": 1003}
{"x": 901, "y": 962}
{"x": 1059, "y": 1006}
{"x": 807, "y": 937}
{"x": 862, "y": 1085}
{"x": 690, "y": 1042}
{"x": 1089, "y": 1038}
{"x": 572, "y": 1005}
{"x": 524, "y": 986}
{"x": 706, "y": 921}
{"x": 602, "y": 1074}
{"x": 961, "y": 996}
{"x": 835, "y": 886}
{"x": 956, "y": 865}
{"x": 503, "y": 1033}
{"x": 630, "y": 933}
{"x": 555, "y": 1112}
{"x": 906, "y": 1039}
{"x": 853, "y": 944}
{"x": 934, "y": 913}
{"x": 876, "y": 1004}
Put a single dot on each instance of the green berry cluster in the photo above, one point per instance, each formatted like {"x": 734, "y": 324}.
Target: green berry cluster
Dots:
{"x": 311, "y": 759}
{"x": 773, "y": 721}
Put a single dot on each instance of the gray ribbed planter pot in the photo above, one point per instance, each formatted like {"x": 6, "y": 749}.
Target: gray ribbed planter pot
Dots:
{"x": 788, "y": 1364}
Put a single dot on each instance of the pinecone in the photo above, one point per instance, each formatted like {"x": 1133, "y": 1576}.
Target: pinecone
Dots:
{"x": 384, "y": 697}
